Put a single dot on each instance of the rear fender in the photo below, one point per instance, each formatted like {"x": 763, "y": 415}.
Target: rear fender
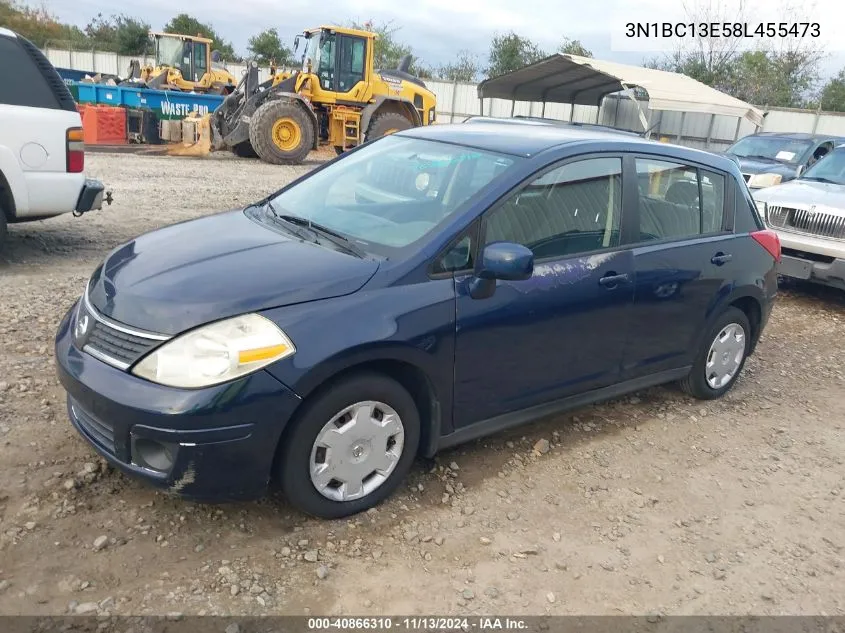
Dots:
{"x": 14, "y": 191}
{"x": 385, "y": 102}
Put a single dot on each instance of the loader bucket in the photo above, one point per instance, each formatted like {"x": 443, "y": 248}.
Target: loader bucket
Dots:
{"x": 196, "y": 137}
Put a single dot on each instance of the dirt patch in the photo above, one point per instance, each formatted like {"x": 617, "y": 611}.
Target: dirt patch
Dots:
{"x": 651, "y": 503}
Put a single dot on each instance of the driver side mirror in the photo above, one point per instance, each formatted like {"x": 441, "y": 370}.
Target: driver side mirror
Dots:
{"x": 507, "y": 261}
{"x": 501, "y": 260}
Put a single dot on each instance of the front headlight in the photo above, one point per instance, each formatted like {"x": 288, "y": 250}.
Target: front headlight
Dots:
{"x": 215, "y": 353}
{"x": 764, "y": 180}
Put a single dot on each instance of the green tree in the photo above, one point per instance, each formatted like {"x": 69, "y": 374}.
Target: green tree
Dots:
{"x": 267, "y": 47}
{"x": 39, "y": 25}
{"x": 832, "y": 96}
{"x": 465, "y": 67}
{"x": 118, "y": 33}
{"x": 574, "y": 47}
{"x": 388, "y": 50}
{"x": 511, "y": 52}
{"x": 185, "y": 24}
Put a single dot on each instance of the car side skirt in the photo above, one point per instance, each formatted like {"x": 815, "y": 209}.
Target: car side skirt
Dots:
{"x": 517, "y": 418}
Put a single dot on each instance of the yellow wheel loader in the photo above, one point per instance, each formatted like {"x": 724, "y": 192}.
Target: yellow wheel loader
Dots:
{"x": 182, "y": 62}
{"x": 336, "y": 98}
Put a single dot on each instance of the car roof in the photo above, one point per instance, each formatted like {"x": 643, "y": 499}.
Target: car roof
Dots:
{"x": 798, "y": 136}
{"x": 7, "y": 33}
{"x": 529, "y": 137}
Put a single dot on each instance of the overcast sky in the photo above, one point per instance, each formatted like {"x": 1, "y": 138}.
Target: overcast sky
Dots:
{"x": 436, "y": 29}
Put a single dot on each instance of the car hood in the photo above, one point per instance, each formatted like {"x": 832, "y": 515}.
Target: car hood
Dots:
{"x": 218, "y": 266}
{"x": 760, "y": 166}
{"x": 803, "y": 193}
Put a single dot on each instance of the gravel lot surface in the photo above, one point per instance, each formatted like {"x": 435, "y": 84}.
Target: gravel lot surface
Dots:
{"x": 653, "y": 503}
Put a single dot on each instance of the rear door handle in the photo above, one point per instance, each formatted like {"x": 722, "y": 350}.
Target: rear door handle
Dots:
{"x": 611, "y": 280}
{"x": 721, "y": 258}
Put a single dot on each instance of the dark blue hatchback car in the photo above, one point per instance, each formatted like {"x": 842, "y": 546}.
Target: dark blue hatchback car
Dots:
{"x": 423, "y": 290}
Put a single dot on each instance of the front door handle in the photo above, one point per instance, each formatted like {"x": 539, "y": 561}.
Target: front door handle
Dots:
{"x": 721, "y": 258}
{"x": 611, "y": 279}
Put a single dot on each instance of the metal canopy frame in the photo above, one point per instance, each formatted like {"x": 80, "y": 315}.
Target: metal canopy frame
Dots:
{"x": 575, "y": 80}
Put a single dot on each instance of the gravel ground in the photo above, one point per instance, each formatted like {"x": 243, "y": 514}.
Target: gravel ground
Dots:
{"x": 653, "y": 503}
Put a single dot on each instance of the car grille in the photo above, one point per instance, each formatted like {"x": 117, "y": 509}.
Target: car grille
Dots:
{"x": 100, "y": 432}
{"x": 113, "y": 343}
{"x": 126, "y": 348}
{"x": 817, "y": 223}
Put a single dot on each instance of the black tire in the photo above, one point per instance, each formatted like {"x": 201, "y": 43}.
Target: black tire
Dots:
{"x": 383, "y": 124}
{"x": 261, "y": 132}
{"x": 244, "y": 150}
{"x": 695, "y": 384}
{"x": 295, "y": 450}
{"x": 3, "y": 228}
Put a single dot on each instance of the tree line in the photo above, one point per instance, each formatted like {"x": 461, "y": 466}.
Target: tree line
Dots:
{"x": 786, "y": 74}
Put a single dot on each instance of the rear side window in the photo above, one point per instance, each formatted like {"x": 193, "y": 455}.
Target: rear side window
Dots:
{"x": 746, "y": 217}
{"x": 678, "y": 201}
{"x": 29, "y": 79}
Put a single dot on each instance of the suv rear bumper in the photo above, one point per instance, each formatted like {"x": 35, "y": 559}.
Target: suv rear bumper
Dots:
{"x": 91, "y": 197}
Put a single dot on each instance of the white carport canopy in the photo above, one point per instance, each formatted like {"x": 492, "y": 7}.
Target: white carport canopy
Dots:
{"x": 585, "y": 81}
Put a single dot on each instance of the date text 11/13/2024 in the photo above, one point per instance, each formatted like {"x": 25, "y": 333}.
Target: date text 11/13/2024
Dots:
{"x": 416, "y": 623}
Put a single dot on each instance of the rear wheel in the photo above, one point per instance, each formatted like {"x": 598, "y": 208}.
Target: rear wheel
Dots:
{"x": 721, "y": 357}
{"x": 350, "y": 447}
{"x": 281, "y": 133}
{"x": 387, "y": 123}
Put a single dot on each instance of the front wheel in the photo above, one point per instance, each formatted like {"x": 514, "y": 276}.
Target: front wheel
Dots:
{"x": 721, "y": 358}
{"x": 281, "y": 132}
{"x": 350, "y": 447}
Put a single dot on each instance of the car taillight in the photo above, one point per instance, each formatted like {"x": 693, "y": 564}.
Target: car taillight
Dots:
{"x": 75, "y": 150}
{"x": 770, "y": 241}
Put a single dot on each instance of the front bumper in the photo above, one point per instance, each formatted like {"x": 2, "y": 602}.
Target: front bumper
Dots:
{"x": 91, "y": 196}
{"x": 220, "y": 441}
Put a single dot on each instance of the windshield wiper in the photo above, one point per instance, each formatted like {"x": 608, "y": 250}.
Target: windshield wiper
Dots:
{"x": 821, "y": 179}
{"x": 318, "y": 229}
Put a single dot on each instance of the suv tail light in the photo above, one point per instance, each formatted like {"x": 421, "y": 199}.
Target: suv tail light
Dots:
{"x": 75, "y": 150}
{"x": 770, "y": 241}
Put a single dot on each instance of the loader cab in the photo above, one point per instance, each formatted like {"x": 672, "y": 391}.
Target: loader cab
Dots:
{"x": 341, "y": 59}
{"x": 189, "y": 55}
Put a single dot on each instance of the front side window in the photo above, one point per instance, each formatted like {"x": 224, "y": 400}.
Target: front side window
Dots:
{"x": 351, "y": 69}
{"x": 393, "y": 192}
{"x": 199, "y": 60}
{"x": 678, "y": 201}
{"x": 572, "y": 209}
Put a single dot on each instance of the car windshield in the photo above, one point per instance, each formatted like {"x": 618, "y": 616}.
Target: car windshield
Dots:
{"x": 392, "y": 192}
{"x": 169, "y": 52}
{"x": 831, "y": 168}
{"x": 784, "y": 150}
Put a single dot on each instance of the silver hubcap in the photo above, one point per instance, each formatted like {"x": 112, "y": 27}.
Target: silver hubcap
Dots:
{"x": 356, "y": 451}
{"x": 725, "y": 355}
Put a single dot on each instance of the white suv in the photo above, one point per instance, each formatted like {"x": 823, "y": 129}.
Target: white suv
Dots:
{"x": 808, "y": 214}
{"x": 42, "y": 154}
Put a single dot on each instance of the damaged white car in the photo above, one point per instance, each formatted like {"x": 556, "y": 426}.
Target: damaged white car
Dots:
{"x": 808, "y": 214}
